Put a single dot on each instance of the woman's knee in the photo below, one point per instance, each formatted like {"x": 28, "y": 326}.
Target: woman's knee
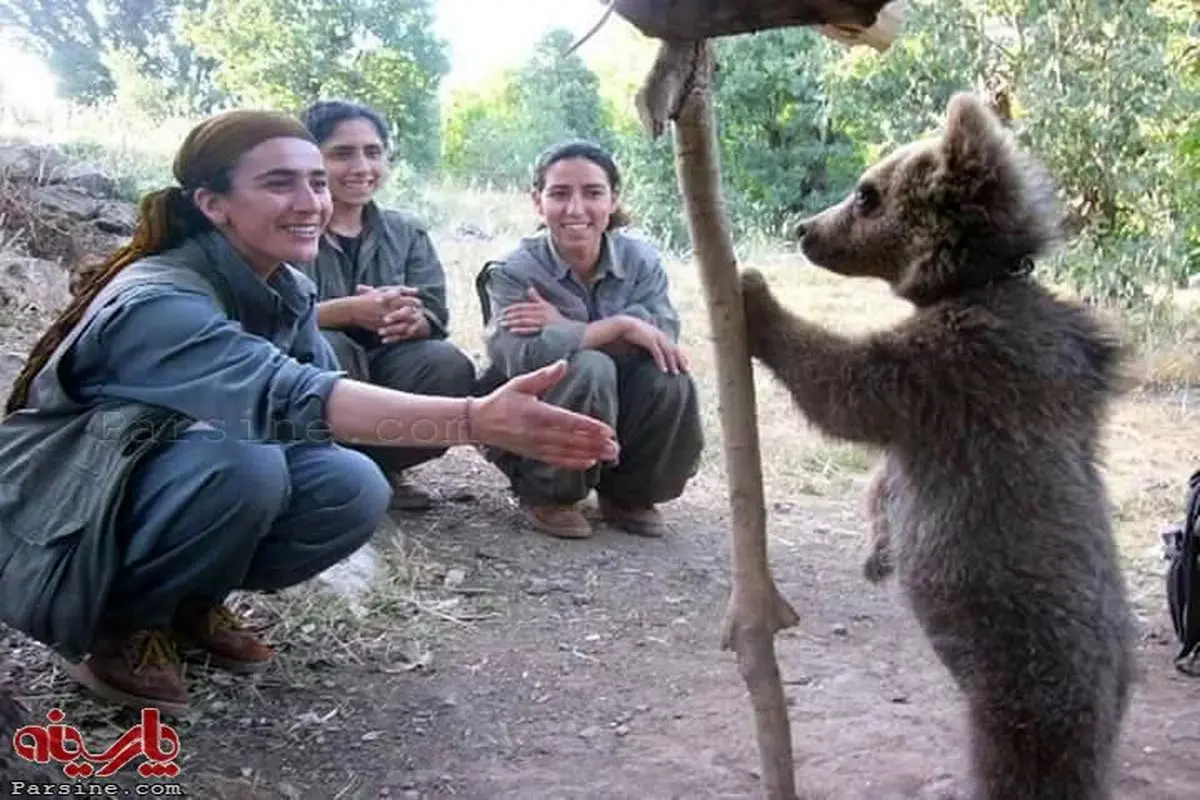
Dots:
{"x": 590, "y": 371}
{"x": 247, "y": 479}
{"x": 453, "y": 369}
{"x": 344, "y": 481}
{"x": 589, "y": 386}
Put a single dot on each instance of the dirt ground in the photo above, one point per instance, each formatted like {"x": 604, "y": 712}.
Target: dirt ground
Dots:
{"x": 510, "y": 665}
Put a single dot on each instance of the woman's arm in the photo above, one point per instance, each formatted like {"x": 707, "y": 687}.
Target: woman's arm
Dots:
{"x": 338, "y": 312}
{"x": 172, "y": 348}
{"x": 511, "y": 418}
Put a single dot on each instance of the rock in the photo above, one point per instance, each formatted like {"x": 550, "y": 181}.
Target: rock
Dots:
{"x": 26, "y": 163}
{"x": 454, "y": 578}
{"x": 68, "y": 201}
{"x": 118, "y": 218}
{"x": 352, "y": 578}
{"x": 91, "y": 178}
{"x": 542, "y": 586}
{"x": 32, "y": 283}
{"x": 10, "y": 366}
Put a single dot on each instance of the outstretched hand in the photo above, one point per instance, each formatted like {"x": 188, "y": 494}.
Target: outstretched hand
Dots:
{"x": 514, "y": 418}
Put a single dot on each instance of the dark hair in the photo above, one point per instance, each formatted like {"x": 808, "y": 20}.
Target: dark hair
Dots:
{"x": 167, "y": 217}
{"x": 323, "y": 117}
{"x": 582, "y": 148}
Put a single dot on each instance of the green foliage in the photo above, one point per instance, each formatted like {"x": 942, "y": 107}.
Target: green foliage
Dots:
{"x": 288, "y": 53}
{"x": 1096, "y": 95}
{"x": 1106, "y": 93}
{"x": 493, "y": 136}
{"x": 93, "y": 46}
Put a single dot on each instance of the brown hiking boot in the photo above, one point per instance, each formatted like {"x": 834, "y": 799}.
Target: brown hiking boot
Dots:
{"x": 563, "y": 522}
{"x": 137, "y": 670}
{"x": 635, "y": 519}
{"x": 408, "y": 496}
{"x": 214, "y": 635}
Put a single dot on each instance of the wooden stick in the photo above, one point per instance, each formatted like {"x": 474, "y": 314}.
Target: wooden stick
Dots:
{"x": 679, "y": 88}
{"x": 756, "y": 610}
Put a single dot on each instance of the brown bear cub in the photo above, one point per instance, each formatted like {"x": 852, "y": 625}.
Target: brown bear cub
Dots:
{"x": 987, "y": 403}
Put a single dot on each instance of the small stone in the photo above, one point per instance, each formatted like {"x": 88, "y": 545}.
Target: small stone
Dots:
{"x": 589, "y": 732}
{"x": 621, "y": 730}
{"x": 540, "y": 586}
{"x": 899, "y": 699}
{"x": 840, "y": 630}
{"x": 455, "y": 578}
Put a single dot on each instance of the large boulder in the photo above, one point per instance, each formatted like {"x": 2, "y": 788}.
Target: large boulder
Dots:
{"x": 28, "y": 163}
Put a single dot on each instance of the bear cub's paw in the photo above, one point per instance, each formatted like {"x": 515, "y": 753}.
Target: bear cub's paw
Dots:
{"x": 758, "y": 305}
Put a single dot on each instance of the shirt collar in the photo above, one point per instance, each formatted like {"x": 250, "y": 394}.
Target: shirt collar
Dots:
{"x": 253, "y": 295}
{"x": 607, "y": 264}
{"x": 371, "y": 223}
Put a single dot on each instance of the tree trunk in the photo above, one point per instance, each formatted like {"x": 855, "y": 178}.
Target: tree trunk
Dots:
{"x": 679, "y": 87}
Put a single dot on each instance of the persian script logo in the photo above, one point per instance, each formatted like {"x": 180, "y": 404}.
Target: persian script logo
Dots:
{"x": 63, "y": 744}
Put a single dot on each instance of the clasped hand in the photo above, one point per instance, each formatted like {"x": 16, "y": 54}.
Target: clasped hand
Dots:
{"x": 529, "y": 317}
{"x": 393, "y": 313}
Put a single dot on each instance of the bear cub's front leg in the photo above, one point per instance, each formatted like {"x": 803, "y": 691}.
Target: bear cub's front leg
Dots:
{"x": 879, "y": 564}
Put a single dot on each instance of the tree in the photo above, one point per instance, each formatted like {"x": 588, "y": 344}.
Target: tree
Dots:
{"x": 288, "y": 53}
{"x": 495, "y": 133}
{"x": 83, "y": 41}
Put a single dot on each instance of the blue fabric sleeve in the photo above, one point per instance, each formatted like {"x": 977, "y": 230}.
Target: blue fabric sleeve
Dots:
{"x": 174, "y": 348}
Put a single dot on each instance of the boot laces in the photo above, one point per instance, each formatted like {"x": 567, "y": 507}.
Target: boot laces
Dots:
{"x": 155, "y": 649}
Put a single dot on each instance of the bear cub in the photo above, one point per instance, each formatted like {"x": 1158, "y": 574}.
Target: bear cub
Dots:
{"x": 987, "y": 404}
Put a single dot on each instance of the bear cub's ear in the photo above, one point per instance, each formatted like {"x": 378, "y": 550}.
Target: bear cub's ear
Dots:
{"x": 973, "y": 141}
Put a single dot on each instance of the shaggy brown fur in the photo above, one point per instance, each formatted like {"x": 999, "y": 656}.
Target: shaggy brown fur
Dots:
{"x": 988, "y": 403}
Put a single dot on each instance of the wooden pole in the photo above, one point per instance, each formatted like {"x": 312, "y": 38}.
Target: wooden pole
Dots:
{"x": 679, "y": 88}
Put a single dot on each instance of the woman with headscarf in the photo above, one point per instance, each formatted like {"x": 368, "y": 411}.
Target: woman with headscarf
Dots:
{"x": 381, "y": 289}
{"x": 178, "y": 433}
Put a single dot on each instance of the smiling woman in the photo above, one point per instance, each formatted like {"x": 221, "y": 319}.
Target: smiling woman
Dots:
{"x": 381, "y": 289}
{"x": 186, "y": 412}
{"x": 587, "y": 292}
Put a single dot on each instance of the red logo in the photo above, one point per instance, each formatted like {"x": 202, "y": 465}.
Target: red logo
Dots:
{"x": 63, "y": 744}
